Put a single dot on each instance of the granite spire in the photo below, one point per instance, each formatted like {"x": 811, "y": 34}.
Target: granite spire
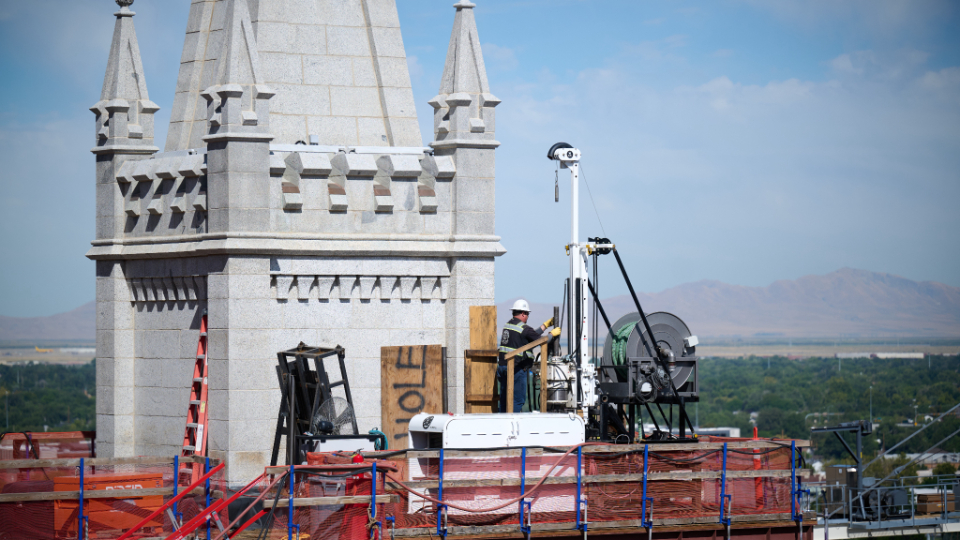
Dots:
{"x": 238, "y": 102}
{"x": 124, "y": 112}
{"x": 339, "y": 70}
{"x": 464, "y": 108}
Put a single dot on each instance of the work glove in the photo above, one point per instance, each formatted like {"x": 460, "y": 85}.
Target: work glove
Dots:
{"x": 549, "y": 323}
{"x": 556, "y": 332}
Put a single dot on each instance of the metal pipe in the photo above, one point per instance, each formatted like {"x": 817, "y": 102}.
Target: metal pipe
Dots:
{"x": 912, "y": 435}
{"x": 596, "y": 302}
{"x": 896, "y": 471}
{"x": 636, "y": 302}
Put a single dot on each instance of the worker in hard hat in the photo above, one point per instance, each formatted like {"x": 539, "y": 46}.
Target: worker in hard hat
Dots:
{"x": 516, "y": 334}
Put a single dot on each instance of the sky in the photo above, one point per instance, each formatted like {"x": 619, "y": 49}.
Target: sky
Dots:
{"x": 734, "y": 140}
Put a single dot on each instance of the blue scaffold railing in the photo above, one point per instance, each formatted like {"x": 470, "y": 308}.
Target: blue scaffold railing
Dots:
{"x": 796, "y": 487}
{"x": 647, "y": 522}
{"x": 724, "y": 496}
{"x": 290, "y": 525}
{"x": 375, "y": 525}
{"x": 580, "y": 504}
{"x": 206, "y": 469}
{"x": 526, "y": 507}
{"x": 177, "y": 517}
{"x": 441, "y": 508}
{"x": 81, "y": 519}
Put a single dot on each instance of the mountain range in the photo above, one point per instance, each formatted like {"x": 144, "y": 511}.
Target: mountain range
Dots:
{"x": 846, "y": 303}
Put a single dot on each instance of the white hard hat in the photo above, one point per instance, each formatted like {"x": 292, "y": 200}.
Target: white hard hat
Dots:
{"x": 521, "y": 305}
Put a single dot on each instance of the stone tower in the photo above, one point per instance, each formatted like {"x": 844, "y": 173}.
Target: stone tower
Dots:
{"x": 294, "y": 201}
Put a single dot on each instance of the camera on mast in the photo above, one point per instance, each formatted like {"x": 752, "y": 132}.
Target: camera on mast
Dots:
{"x": 563, "y": 152}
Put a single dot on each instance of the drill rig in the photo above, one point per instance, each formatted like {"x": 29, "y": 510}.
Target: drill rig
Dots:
{"x": 649, "y": 359}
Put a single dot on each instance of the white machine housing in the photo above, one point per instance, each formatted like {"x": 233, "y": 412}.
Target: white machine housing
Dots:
{"x": 470, "y": 431}
{"x": 479, "y": 431}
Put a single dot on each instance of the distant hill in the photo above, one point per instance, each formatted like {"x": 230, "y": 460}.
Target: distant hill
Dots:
{"x": 848, "y": 303}
{"x": 77, "y": 325}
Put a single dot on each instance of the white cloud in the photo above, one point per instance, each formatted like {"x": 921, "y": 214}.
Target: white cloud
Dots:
{"x": 736, "y": 181}
{"x": 415, "y": 67}
{"x": 499, "y": 57}
{"x": 894, "y": 66}
{"x": 946, "y": 79}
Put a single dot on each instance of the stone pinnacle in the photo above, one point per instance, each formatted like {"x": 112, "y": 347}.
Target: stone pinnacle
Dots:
{"x": 124, "y": 3}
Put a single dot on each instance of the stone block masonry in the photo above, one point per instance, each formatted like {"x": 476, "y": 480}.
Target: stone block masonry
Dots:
{"x": 295, "y": 201}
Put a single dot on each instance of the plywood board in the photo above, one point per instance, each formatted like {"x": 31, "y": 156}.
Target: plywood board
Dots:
{"x": 483, "y": 327}
{"x": 480, "y": 362}
{"x": 410, "y": 383}
{"x": 479, "y": 376}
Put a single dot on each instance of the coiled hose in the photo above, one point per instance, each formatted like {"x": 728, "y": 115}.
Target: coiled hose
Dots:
{"x": 618, "y": 347}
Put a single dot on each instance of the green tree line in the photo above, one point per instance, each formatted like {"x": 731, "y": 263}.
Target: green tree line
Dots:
{"x": 790, "y": 397}
{"x": 60, "y": 397}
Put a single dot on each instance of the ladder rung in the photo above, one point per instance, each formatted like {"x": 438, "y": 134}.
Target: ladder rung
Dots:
{"x": 201, "y": 357}
{"x": 338, "y": 383}
{"x": 203, "y": 334}
{"x": 195, "y": 402}
{"x": 198, "y": 379}
{"x": 190, "y": 448}
{"x": 192, "y": 425}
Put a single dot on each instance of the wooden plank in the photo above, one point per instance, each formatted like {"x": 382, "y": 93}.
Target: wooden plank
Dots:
{"x": 479, "y": 374}
{"x": 511, "y": 452}
{"x": 632, "y": 526}
{"x": 479, "y": 378}
{"x": 326, "y": 501}
{"x": 693, "y": 447}
{"x": 410, "y": 383}
{"x": 593, "y": 479}
{"x": 527, "y": 347}
{"x": 544, "y": 375}
{"x": 75, "y": 462}
{"x": 96, "y": 494}
{"x": 510, "y": 381}
{"x": 476, "y": 353}
{"x": 88, "y": 494}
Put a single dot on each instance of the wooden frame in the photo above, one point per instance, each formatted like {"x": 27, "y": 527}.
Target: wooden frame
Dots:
{"x": 542, "y": 343}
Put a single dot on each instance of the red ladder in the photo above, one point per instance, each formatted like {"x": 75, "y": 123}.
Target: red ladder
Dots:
{"x": 194, "y": 438}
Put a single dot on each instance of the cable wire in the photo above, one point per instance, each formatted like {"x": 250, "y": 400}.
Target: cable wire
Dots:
{"x": 584, "y": 175}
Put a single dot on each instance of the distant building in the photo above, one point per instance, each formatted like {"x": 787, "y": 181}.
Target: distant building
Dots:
{"x": 881, "y": 356}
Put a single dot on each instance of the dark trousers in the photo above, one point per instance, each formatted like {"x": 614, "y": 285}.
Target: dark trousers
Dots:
{"x": 519, "y": 388}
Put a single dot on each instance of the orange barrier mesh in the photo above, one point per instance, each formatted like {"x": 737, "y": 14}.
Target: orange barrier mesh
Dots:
{"x": 612, "y": 484}
{"x": 616, "y": 496}
{"x": 107, "y": 517}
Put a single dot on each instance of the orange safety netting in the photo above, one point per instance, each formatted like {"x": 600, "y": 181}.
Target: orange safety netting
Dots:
{"x": 618, "y": 496}
{"x": 611, "y": 484}
{"x": 106, "y": 517}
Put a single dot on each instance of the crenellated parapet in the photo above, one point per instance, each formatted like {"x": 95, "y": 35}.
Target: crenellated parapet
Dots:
{"x": 307, "y": 189}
